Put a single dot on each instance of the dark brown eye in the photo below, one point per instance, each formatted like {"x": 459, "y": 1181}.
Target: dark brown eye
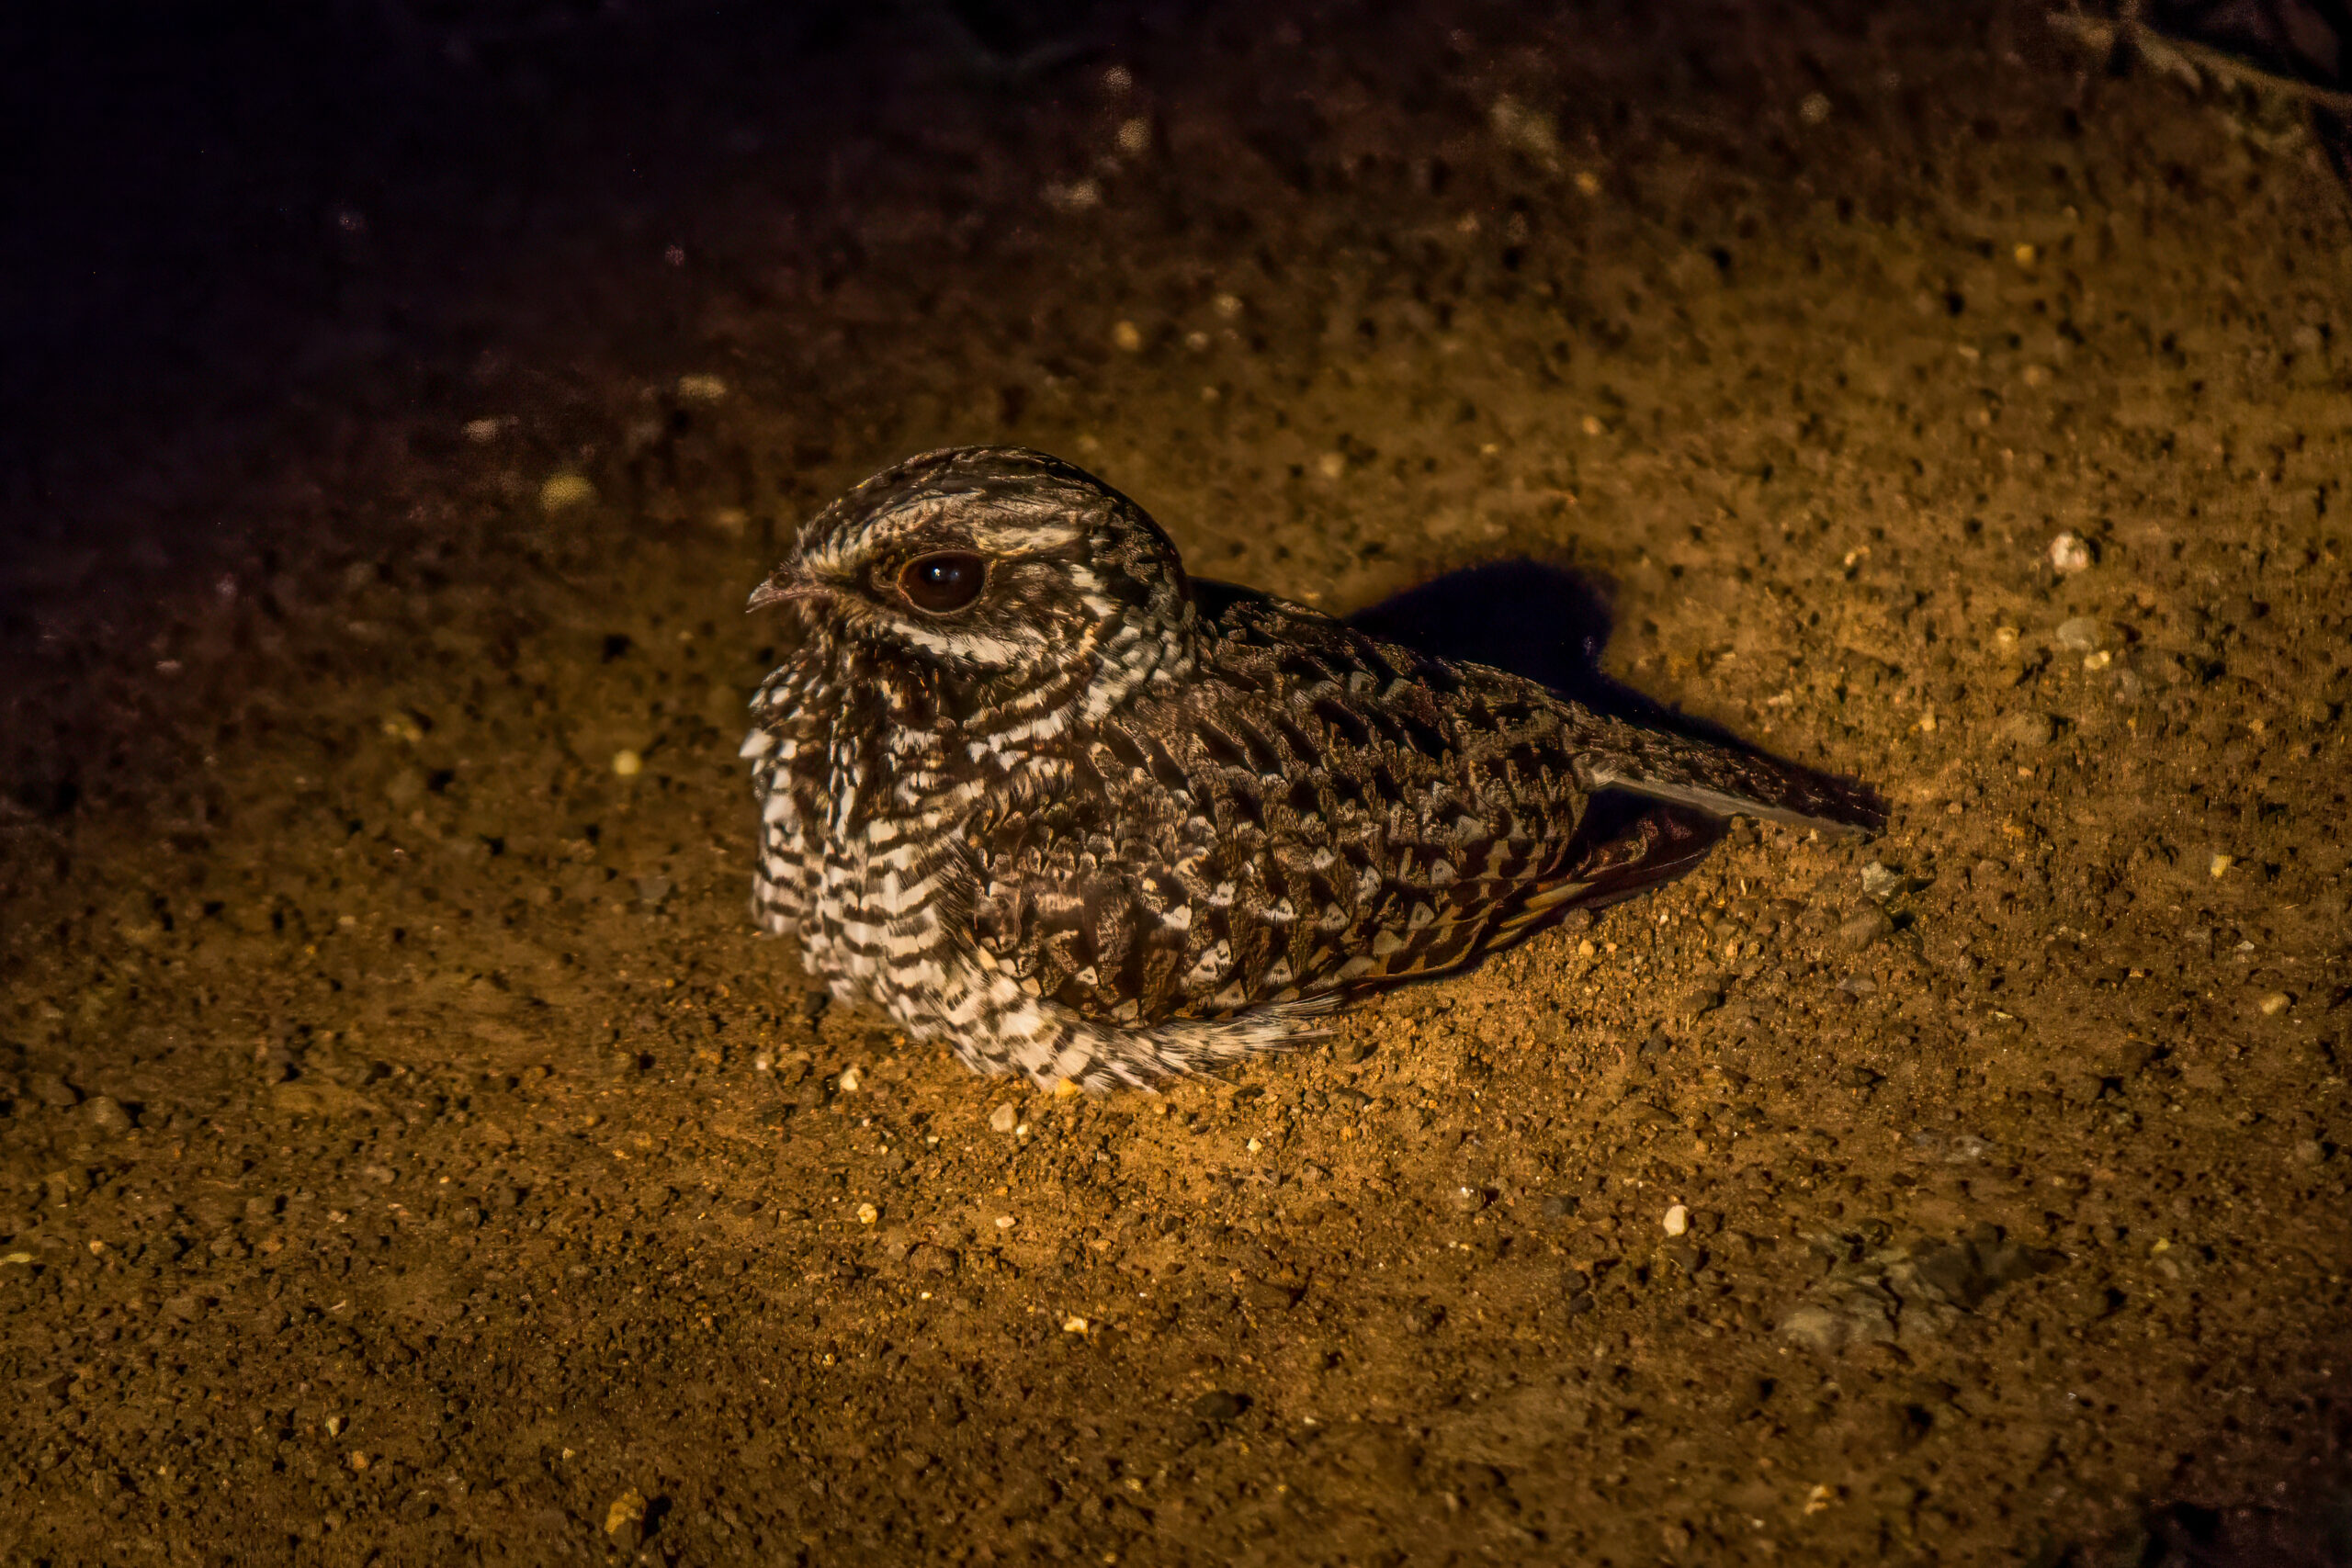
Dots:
{"x": 944, "y": 579}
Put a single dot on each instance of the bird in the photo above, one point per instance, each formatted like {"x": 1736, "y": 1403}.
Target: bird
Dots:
{"x": 1040, "y": 795}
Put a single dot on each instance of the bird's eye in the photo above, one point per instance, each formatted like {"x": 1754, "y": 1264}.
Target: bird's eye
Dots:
{"x": 944, "y": 579}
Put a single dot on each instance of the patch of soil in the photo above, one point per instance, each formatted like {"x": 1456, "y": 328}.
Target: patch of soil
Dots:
{"x": 413, "y": 1155}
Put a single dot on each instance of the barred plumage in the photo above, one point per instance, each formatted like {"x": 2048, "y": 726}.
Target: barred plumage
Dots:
{"x": 1033, "y": 792}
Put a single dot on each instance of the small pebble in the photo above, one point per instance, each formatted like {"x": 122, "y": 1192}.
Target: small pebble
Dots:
{"x": 2219, "y": 865}
{"x": 1529, "y": 130}
{"x": 564, "y": 492}
{"x": 1074, "y": 1324}
{"x": 1469, "y": 1199}
{"x": 867, "y": 1214}
{"x": 1863, "y": 929}
{"x": 1813, "y": 108}
{"x": 483, "y": 432}
{"x": 1699, "y": 999}
{"x": 627, "y": 764}
{"x": 2310, "y": 1150}
{"x": 2081, "y": 1087}
{"x": 53, "y": 1091}
{"x": 2272, "y": 1005}
{"x": 1126, "y": 338}
{"x": 1219, "y": 1405}
{"x": 1814, "y": 1328}
{"x": 1254, "y": 1146}
{"x": 701, "y": 389}
{"x": 625, "y": 1518}
{"x": 1678, "y": 1220}
{"x": 2070, "y": 553}
{"x": 2082, "y": 634}
{"x": 2027, "y": 727}
{"x": 1003, "y": 1118}
{"x": 1134, "y": 136}
{"x": 1004, "y": 1222}
{"x": 1878, "y": 883}
{"x": 850, "y": 1081}
{"x": 651, "y": 890}
{"x": 1331, "y": 465}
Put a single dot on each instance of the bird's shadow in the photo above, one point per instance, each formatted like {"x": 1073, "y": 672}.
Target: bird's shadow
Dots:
{"x": 1533, "y": 620}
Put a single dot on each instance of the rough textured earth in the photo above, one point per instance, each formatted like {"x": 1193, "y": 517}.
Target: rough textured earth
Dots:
{"x": 413, "y": 1155}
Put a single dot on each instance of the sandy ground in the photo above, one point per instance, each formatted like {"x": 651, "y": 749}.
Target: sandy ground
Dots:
{"x": 415, "y": 1157}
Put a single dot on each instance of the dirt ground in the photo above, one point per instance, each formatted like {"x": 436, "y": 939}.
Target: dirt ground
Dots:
{"x": 414, "y": 1156}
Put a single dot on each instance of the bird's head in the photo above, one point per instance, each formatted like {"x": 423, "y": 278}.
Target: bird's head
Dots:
{"x": 989, "y": 564}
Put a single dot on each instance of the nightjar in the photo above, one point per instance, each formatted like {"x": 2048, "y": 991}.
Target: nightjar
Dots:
{"x": 1037, "y": 794}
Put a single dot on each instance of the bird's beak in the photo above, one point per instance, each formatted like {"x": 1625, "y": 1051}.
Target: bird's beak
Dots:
{"x": 779, "y": 588}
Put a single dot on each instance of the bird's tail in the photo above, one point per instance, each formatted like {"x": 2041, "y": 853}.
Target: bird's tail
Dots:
{"x": 1724, "y": 782}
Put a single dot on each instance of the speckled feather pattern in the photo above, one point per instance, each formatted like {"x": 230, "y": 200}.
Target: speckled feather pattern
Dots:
{"x": 1107, "y": 825}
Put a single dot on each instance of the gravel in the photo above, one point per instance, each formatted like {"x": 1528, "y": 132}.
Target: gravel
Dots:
{"x": 53, "y": 1091}
{"x": 1863, "y": 929}
{"x": 625, "y": 1518}
{"x": 1219, "y": 1405}
{"x": 2029, "y": 727}
{"x": 2082, "y": 634}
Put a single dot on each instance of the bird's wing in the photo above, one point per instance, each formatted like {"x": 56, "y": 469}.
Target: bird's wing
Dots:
{"x": 1315, "y": 813}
